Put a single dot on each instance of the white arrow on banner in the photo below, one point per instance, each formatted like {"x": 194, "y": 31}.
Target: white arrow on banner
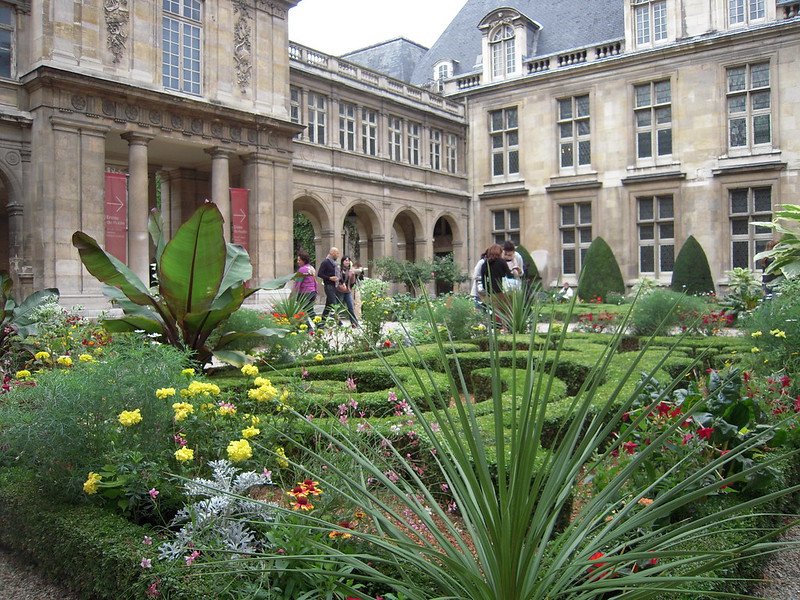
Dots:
{"x": 117, "y": 202}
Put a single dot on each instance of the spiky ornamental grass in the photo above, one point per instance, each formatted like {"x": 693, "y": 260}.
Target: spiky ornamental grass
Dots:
{"x": 513, "y": 547}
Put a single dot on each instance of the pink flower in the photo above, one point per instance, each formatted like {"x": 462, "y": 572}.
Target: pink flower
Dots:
{"x": 630, "y": 447}
{"x": 153, "y": 493}
{"x": 267, "y": 474}
{"x": 191, "y": 558}
{"x": 687, "y": 437}
{"x": 797, "y": 404}
{"x": 152, "y": 590}
{"x": 304, "y": 374}
{"x": 146, "y": 563}
{"x": 147, "y": 541}
{"x": 351, "y": 384}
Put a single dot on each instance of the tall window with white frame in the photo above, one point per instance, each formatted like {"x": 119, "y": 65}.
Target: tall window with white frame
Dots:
{"x": 181, "y": 39}
{"x": 650, "y": 19}
{"x": 412, "y": 141}
{"x": 347, "y": 126}
{"x": 452, "y": 152}
{"x": 656, "y": 225}
{"x": 7, "y": 19}
{"x": 369, "y": 131}
{"x": 317, "y": 118}
{"x": 296, "y": 108}
{"x": 505, "y": 225}
{"x": 502, "y": 44}
{"x": 504, "y": 133}
{"x": 749, "y": 106}
{"x": 576, "y": 235}
{"x": 742, "y": 12}
{"x": 575, "y": 147}
{"x": 395, "y": 139}
{"x": 653, "y": 116}
{"x": 436, "y": 149}
{"x": 746, "y": 206}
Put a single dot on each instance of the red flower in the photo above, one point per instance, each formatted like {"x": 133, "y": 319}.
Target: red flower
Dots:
{"x": 687, "y": 437}
{"x": 746, "y": 376}
{"x": 626, "y": 417}
{"x": 630, "y": 447}
{"x": 663, "y": 408}
{"x": 675, "y": 412}
{"x": 705, "y": 433}
{"x": 797, "y": 404}
{"x": 786, "y": 381}
{"x": 387, "y": 344}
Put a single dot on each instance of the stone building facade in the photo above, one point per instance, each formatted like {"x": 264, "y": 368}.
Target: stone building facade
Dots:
{"x": 641, "y": 121}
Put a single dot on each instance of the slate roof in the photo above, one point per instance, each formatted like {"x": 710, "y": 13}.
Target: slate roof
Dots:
{"x": 397, "y": 58}
{"x": 566, "y": 24}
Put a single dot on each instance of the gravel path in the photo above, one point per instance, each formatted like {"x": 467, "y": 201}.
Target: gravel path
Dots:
{"x": 782, "y": 573}
{"x": 19, "y": 580}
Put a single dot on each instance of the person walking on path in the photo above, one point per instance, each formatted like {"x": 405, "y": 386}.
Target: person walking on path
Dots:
{"x": 329, "y": 272}
{"x": 305, "y": 283}
{"x": 344, "y": 288}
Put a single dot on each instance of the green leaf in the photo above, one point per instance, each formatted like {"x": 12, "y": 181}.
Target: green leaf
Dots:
{"x": 276, "y": 284}
{"x": 238, "y": 268}
{"x": 155, "y": 226}
{"x": 130, "y": 323}
{"x": 109, "y": 270}
{"x": 232, "y": 357}
{"x": 263, "y": 335}
{"x": 192, "y": 264}
{"x": 23, "y": 314}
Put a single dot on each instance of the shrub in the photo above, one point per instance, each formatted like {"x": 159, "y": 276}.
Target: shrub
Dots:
{"x": 691, "y": 273}
{"x": 531, "y": 276}
{"x": 662, "y": 310}
{"x": 601, "y": 273}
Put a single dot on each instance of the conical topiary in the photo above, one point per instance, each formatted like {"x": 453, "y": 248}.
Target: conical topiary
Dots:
{"x": 531, "y": 272}
{"x": 601, "y": 273}
{"x": 691, "y": 273}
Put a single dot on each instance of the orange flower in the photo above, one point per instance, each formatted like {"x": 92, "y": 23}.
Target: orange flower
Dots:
{"x": 302, "y": 503}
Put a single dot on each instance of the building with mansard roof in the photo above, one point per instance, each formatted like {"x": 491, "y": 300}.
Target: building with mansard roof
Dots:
{"x": 547, "y": 123}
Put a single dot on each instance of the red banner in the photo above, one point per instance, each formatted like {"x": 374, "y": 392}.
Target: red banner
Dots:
{"x": 116, "y": 215}
{"x": 240, "y": 215}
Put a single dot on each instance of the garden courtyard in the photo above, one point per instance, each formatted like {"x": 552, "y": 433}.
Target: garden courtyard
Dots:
{"x": 640, "y": 445}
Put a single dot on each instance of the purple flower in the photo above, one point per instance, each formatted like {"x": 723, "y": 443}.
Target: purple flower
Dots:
{"x": 147, "y": 541}
{"x": 153, "y": 493}
{"x": 146, "y": 563}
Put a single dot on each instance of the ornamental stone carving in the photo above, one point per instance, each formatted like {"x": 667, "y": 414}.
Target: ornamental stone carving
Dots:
{"x": 131, "y": 112}
{"x": 272, "y": 8}
{"x": 155, "y": 117}
{"x": 12, "y": 158}
{"x": 109, "y": 108}
{"x": 196, "y": 125}
{"x": 242, "y": 48}
{"x": 116, "y": 26}
{"x": 236, "y": 133}
{"x": 79, "y": 103}
{"x": 176, "y": 121}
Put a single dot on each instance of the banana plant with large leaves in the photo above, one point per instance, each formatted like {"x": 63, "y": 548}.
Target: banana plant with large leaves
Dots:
{"x": 20, "y": 320}
{"x": 201, "y": 282}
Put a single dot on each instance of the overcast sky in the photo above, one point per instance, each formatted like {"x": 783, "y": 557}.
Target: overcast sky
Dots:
{"x": 339, "y": 26}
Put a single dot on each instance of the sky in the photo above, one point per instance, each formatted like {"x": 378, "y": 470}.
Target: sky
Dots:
{"x": 339, "y": 26}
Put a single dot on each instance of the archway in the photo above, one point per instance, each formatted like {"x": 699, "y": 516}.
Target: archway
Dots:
{"x": 360, "y": 229}
{"x": 442, "y": 248}
{"x": 405, "y": 228}
{"x": 312, "y": 228}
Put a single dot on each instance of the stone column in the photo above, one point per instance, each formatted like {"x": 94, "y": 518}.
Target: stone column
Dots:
{"x": 221, "y": 184}
{"x": 166, "y": 201}
{"x": 92, "y": 197}
{"x": 138, "y": 203}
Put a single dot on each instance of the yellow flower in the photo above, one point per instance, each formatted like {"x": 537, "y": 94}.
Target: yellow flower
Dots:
{"x": 200, "y": 388}
{"x": 318, "y": 357}
{"x": 250, "y": 432}
{"x": 250, "y": 370}
{"x": 317, "y": 319}
{"x": 281, "y": 460}
{"x": 263, "y": 393}
{"x": 184, "y": 454}
{"x": 42, "y": 356}
{"x": 254, "y": 420}
{"x": 285, "y": 396}
{"x": 756, "y": 334}
{"x": 303, "y": 327}
{"x": 182, "y": 410}
{"x": 293, "y": 333}
{"x": 259, "y": 381}
{"x": 130, "y": 417}
{"x": 164, "y": 393}
{"x": 23, "y": 374}
{"x": 208, "y": 406}
{"x": 86, "y": 358}
{"x": 91, "y": 483}
{"x": 239, "y": 450}
{"x": 755, "y": 349}
{"x": 778, "y": 333}
{"x": 188, "y": 372}
{"x": 64, "y": 361}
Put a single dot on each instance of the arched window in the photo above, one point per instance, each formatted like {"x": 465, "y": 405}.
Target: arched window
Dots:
{"x": 502, "y": 44}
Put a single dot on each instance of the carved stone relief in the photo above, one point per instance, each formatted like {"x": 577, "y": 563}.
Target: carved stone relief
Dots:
{"x": 116, "y": 26}
{"x": 79, "y": 102}
{"x": 242, "y": 48}
{"x": 196, "y": 126}
{"x": 272, "y": 8}
{"x": 109, "y": 108}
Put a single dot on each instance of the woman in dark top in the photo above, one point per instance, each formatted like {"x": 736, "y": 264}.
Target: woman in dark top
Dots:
{"x": 494, "y": 270}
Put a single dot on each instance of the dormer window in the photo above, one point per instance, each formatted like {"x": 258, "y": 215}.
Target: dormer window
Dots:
{"x": 651, "y": 21}
{"x": 441, "y": 71}
{"x": 741, "y": 12}
{"x": 503, "y": 48}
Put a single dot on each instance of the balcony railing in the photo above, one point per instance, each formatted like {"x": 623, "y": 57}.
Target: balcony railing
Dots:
{"x": 378, "y": 80}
